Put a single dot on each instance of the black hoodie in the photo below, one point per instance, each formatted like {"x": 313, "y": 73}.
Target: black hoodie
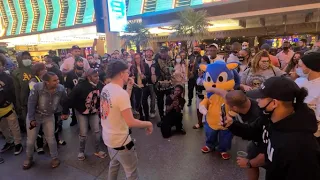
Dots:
{"x": 291, "y": 150}
{"x": 84, "y": 97}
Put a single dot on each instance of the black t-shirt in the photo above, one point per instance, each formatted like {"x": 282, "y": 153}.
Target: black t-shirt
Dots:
{"x": 72, "y": 79}
{"x": 181, "y": 100}
{"x": 252, "y": 114}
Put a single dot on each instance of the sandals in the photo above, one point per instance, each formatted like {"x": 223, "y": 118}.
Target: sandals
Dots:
{"x": 197, "y": 126}
{"x": 101, "y": 154}
{"x": 81, "y": 156}
{"x": 27, "y": 164}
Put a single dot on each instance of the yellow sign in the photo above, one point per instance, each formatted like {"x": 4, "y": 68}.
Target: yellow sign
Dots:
{"x": 2, "y": 27}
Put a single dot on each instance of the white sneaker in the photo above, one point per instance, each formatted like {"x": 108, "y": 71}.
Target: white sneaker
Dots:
{"x": 152, "y": 115}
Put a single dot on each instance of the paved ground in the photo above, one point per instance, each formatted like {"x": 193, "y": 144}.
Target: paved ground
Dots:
{"x": 177, "y": 158}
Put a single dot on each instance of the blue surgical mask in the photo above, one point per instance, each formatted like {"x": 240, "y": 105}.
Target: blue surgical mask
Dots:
{"x": 300, "y": 73}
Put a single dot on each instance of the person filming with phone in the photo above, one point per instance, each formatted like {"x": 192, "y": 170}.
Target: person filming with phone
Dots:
{"x": 285, "y": 128}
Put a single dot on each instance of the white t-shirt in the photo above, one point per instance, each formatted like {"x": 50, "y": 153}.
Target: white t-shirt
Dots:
{"x": 149, "y": 62}
{"x": 115, "y": 131}
{"x": 68, "y": 64}
{"x": 313, "y": 98}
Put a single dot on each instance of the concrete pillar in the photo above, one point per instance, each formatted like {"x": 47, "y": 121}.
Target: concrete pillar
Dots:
{"x": 112, "y": 38}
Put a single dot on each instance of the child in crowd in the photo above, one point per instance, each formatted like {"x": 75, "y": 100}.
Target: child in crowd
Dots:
{"x": 174, "y": 106}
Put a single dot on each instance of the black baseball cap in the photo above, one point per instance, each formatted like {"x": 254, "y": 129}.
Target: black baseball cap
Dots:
{"x": 164, "y": 49}
{"x": 75, "y": 47}
{"x": 280, "y": 88}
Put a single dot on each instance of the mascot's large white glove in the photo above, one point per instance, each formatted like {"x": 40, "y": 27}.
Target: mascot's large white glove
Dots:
{"x": 203, "y": 110}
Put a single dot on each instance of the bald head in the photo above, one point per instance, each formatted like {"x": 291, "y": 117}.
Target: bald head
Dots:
{"x": 236, "y": 98}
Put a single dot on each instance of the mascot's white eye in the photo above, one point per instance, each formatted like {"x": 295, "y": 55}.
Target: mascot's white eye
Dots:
{"x": 208, "y": 77}
{"x": 223, "y": 77}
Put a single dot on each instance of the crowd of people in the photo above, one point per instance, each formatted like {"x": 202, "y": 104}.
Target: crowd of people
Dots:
{"x": 114, "y": 92}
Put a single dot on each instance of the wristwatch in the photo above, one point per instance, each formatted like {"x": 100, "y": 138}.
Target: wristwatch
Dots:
{"x": 249, "y": 164}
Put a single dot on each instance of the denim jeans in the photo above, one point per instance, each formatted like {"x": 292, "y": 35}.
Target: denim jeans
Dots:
{"x": 47, "y": 123}
{"x": 129, "y": 161}
{"x": 10, "y": 127}
{"x": 83, "y": 121}
{"x": 222, "y": 138}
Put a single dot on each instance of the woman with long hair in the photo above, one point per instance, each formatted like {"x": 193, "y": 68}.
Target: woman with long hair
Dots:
{"x": 260, "y": 70}
{"x": 179, "y": 75}
{"x": 245, "y": 60}
{"x": 293, "y": 68}
{"x": 138, "y": 70}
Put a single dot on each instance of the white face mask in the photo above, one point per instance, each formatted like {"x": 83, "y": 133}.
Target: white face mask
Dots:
{"x": 27, "y": 62}
{"x": 178, "y": 60}
{"x": 129, "y": 59}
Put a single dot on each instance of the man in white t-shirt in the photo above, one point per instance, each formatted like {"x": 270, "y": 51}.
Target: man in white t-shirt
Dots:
{"x": 116, "y": 118}
{"x": 68, "y": 64}
{"x": 310, "y": 64}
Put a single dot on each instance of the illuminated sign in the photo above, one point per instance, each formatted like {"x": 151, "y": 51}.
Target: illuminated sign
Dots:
{"x": 196, "y": 2}
{"x": 117, "y": 15}
{"x": 135, "y": 7}
{"x": 2, "y": 27}
{"x": 164, "y": 5}
{"x": 29, "y": 16}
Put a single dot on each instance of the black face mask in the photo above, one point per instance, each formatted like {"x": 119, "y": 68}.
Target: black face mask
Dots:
{"x": 285, "y": 48}
{"x": 264, "y": 112}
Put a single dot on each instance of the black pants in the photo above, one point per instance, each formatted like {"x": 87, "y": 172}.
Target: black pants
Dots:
{"x": 191, "y": 86}
{"x": 160, "y": 100}
{"x": 171, "y": 119}
{"x": 145, "y": 94}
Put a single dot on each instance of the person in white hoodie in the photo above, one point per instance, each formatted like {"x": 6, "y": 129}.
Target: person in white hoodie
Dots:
{"x": 310, "y": 64}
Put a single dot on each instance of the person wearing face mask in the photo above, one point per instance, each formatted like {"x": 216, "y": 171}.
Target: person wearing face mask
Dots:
{"x": 285, "y": 129}
{"x": 293, "y": 69}
{"x": 68, "y": 64}
{"x": 21, "y": 77}
{"x": 285, "y": 55}
{"x": 51, "y": 66}
{"x": 179, "y": 75}
{"x": 195, "y": 60}
{"x": 9, "y": 124}
{"x": 310, "y": 65}
{"x": 245, "y": 45}
{"x": 85, "y": 99}
{"x": 72, "y": 80}
{"x": 260, "y": 70}
{"x": 245, "y": 60}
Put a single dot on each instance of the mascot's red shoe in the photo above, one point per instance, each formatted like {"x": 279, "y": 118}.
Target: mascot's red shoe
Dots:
{"x": 225, "y": 155}
{"x": 205, "y": 149}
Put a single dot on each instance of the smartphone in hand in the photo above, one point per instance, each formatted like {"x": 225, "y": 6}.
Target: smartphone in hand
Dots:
{"x": 223, "y": 114}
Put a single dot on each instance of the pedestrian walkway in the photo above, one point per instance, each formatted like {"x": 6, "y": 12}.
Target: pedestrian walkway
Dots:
{"x": 177, "y": 158}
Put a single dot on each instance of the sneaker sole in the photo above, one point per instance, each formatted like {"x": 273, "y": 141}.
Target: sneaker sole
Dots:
{"x": 18, "y": 152}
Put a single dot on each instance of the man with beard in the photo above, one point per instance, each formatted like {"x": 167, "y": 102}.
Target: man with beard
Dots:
{"x": 93, "y": 62}
{"x": 195, "y": 60}
{"x": 72, "y": 80}
{"x": 161, "y": 72}
{"x": 68, "y": 64}
{"x": 21, "y": 77}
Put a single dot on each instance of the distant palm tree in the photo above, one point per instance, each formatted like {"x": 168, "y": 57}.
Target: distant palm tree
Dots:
{"x": 137, "y": 34}
{"x": 193, "y": 24}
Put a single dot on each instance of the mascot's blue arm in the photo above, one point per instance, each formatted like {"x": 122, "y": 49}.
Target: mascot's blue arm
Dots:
{"x": 236, "y": 79}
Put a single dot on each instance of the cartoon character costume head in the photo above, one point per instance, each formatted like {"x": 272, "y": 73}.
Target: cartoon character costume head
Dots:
{"x": 219, "y": 75}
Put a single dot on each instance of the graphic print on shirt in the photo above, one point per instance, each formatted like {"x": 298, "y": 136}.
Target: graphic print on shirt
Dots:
{"x": 105, "y": 105}
{"x": 91, "y": 102}
{"x": 2, "y": 84}
{"x": 75, "y": 82}
{"x": 255, "y": 81}
{"x": 266, "y": 140}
